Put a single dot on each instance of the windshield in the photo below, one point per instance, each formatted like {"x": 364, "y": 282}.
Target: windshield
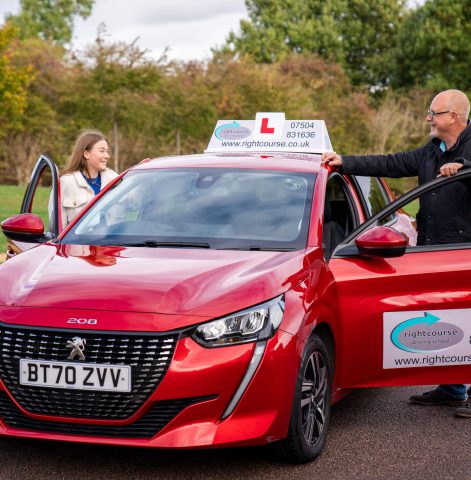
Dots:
{"x": 201, "y": 207}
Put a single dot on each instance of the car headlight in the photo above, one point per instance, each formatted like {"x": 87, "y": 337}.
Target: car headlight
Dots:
{"x": 250, "y": 325}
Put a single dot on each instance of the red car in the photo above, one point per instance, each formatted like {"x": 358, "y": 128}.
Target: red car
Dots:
{"x": 223, "y": 300}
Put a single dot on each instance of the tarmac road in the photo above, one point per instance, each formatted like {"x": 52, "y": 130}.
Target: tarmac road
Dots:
{"x": 374, "y": 434}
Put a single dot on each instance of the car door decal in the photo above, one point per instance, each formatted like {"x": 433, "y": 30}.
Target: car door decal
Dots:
{"x": 426, "y": 338}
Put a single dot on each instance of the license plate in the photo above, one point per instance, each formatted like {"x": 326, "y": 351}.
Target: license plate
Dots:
{"x": 76, "y": 376}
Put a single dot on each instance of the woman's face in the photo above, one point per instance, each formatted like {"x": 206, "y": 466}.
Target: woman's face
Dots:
{"x": 97, "y": 157}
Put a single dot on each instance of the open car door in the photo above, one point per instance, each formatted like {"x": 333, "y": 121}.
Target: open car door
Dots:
{"x": 24, "y": 231}
{"x": 405, "y": 309}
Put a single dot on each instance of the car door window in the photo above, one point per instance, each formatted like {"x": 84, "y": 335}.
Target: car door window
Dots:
{"x": 42, "y": 196}
{"x": 435, "y": 216}
{"x": 340, "y": 216}
{"x": 40, "y": 201}
{"x": 441, "y": 216}
{"x": 374, "y": 196}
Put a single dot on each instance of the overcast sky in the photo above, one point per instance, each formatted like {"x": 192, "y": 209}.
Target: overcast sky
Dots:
{"x": 188, "y": 27}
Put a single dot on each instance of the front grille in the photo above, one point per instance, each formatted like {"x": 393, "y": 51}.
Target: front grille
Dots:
{"x": 146, "y": 427}
{"x": 148, "y": 355}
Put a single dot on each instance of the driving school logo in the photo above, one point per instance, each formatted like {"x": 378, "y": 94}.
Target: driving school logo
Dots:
{"x": 425, "y": 334}
{"x": 77, "y": 345}
{"x": 232, "y": 131}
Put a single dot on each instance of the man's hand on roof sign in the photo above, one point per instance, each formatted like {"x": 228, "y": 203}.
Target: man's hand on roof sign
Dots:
{"x": 332, "y": 159}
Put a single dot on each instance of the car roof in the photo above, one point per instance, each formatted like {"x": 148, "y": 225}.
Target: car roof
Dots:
{"x": 302, "y": 162}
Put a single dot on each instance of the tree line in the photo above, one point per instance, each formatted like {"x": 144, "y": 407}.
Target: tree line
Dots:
{"x": 369, "y": 68}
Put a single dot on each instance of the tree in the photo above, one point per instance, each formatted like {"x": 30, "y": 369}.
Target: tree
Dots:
{"x": 359, "y": 34}
{"x": 50, "y": 20}
{"x": 37, "y": 129}
{"x": 277, "y": 29}
{"x": 303, "y": 86}
{"x": 14, "y": 80}
{"x": 115, "y": 88}
{"x": 434, "y": 46}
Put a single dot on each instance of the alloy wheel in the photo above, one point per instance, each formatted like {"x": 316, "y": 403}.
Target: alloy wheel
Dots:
{"x": 314, "y": 404}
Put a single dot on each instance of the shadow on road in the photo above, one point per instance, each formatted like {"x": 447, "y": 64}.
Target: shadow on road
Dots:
{"x": 375, "y": 434}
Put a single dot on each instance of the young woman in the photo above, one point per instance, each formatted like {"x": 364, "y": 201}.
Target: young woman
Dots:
{"x": 85, "y": 174}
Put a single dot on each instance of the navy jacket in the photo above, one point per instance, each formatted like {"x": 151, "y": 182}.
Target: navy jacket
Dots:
{"x": 445, "y": 213}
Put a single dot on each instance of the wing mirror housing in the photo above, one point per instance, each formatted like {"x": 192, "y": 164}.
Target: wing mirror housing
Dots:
{"x": 24, "y": 227}
{"x": 382, "y": 242}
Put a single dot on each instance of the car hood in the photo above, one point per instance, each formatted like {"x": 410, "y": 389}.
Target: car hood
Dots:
{"x": 159, "y": 280}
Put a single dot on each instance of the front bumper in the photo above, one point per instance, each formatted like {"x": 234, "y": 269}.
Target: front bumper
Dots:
{"x": 187, "y": 407}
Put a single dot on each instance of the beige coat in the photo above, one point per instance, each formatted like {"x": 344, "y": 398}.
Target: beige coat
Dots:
{"x": 76, "y": 193}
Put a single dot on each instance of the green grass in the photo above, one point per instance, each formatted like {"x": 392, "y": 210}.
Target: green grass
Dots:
{"x": 412, "y": 208}
{"x": 10, "y": 204}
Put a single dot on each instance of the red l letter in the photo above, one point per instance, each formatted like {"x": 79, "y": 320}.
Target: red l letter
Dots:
{"x": 265, "y": 128}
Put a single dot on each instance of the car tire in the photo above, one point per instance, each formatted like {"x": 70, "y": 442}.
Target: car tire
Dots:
{"x": 310, "y": 413}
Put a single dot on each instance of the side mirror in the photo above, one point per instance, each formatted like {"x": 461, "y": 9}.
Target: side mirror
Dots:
{"x": 381, "y": 242}
{"x": 24, "y": 227}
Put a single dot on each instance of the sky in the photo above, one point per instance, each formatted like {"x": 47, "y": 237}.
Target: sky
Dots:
{"x": 188, "y": 27}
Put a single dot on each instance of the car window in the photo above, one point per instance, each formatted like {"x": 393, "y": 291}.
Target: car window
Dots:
{"x": 41, "y": 198}
{"x": 433, "y": 217}
{"x": 340, "y": 217}
{"x": 438, "y": 218}
{"x": 373, "y": 194}
{"x": 224, "y": 208}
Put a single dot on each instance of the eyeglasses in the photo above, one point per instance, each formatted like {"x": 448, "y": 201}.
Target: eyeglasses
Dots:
{"x": 432, "y": 114}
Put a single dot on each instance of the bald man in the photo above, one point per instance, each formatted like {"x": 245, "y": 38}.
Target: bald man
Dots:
{"x": 445, "y": 214}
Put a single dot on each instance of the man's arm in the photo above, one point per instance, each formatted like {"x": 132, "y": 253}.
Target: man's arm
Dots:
{"x": 404, "y": 164}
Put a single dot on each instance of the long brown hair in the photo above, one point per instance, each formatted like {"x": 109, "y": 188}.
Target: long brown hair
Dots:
{"x": 85, "y": 141}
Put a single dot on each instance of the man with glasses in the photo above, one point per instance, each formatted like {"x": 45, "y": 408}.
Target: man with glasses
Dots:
{"x": 445, "y": 214}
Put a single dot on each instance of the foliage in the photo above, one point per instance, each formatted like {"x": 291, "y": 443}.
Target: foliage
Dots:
{"x": 398, "y": 124}
{"x": 434, "y": 47}
{"x": 162, "y": 108}
{"x": 303, "y": 86}
{"x": 43, "y": 26}
{"x": 14, "y": 80}
{"x": 310, "y": 59}
{"x": 38, "y": 128}
{"x": 359, "y": 34}
{"x": 50, "y": 20}
{"x": 114, "y": 86}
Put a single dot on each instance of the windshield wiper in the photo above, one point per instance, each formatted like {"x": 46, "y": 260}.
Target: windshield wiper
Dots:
{"x": 155, "y": 244}
{"x": 257, "y": 248}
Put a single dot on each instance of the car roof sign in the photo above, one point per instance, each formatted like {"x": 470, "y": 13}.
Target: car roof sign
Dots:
{"x": 270, "y": 132}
